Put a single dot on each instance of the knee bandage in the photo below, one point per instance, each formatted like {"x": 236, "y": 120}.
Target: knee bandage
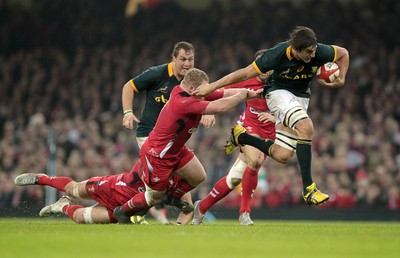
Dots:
{"x": 75, "y": 191}
{"x": 87, "y": 215}
{"x": 149, "y": 196}
{"x": 236, "y": 171}
{"x": 286, "y": 140}
{"x": 294, "y": 115}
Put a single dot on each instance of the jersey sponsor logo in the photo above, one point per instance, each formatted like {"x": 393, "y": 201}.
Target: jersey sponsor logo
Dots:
{"x": 161, "y": 99}
{"x": 163, "y": 89}
{"x": 156, "y": 179}
{"x": 255, "y": 111}
{"x": 192, "y": 130}
{"x": 284, "y": 73}
{"x": 302, "y": 76}
{"x": 296, "y": 75}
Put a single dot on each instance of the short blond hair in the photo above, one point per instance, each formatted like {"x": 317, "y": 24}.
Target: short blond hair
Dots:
{"x": 195, "y": 77}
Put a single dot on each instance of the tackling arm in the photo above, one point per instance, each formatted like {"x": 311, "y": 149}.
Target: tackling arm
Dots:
{"x": 223, "y": 104}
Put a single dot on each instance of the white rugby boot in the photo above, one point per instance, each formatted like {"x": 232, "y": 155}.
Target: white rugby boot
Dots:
{"x": 55, "y": 208}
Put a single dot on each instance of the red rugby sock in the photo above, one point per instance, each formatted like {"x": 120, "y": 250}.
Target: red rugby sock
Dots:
{"x": 136, "y": 204}
{"x": 70, "y": 209}
{"x": 58, "y": 182}
{"x": 249, "y": 185}
{"x": 220, "y": 190}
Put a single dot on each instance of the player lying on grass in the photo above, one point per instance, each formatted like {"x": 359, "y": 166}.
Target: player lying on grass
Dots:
{"x": 108, "y": 191}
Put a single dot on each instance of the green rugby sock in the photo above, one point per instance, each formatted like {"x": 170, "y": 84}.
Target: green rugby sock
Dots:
{"x": 303, "y": 152}
{"x": 259, "y": 143}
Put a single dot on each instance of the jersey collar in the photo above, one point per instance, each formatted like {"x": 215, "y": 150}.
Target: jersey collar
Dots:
{"x": 289, "y": 53}
{"x": 170, "y": 70}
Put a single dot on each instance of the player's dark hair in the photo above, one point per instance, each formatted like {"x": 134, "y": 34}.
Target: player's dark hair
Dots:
{"x": 302, "y": 37}
{"x": 182, "y": 45}
{"x": 260, "y": 52}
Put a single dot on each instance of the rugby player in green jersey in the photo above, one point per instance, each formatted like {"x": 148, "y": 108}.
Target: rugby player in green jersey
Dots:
{"x": 157, "y": 82}
{"x": 294, "y": 63}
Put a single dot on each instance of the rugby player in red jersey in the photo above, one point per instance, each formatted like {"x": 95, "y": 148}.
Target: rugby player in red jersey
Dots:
{"x": 108, "y": 191}
{"x": 164, "y": 152}
{"x": 157, "y": 83}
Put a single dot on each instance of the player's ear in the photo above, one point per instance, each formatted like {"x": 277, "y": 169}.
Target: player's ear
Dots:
{"x": 191, "y": 87}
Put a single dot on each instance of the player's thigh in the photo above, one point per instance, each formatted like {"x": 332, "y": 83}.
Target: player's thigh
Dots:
{"x": 286, "y": 107}
{"x": 78, "y": 190}
{"x": 100, "y": 214}
{"x": 95, "y": 214}
{"x": 155, "y": 171}
{"x": 193, "y": 172}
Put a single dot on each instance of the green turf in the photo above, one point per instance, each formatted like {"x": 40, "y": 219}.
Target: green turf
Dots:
{"x": 62, "y": 238}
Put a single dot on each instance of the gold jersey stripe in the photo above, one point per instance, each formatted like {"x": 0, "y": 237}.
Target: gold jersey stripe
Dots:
{"x": 133, "y": 86}
{"x": 256, "y": 67}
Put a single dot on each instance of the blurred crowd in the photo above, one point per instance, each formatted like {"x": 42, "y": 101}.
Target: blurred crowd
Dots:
{"x": 63, "y": 65}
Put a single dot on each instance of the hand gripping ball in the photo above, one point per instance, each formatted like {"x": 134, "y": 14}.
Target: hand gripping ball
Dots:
{"x": 328, "y": 72}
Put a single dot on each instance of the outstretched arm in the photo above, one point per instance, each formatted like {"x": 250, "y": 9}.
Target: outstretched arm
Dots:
{"x": 207, "y": 121}
{"x": 234, "y": 77}
{"x": 231, "y": 98}
{"x": 224, "y": 104}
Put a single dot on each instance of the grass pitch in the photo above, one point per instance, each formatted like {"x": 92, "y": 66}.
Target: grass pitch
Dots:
{"x": 62, "y": 238}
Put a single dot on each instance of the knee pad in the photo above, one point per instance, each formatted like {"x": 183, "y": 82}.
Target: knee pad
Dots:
{"x": 286, "y": 140}
{"x": 236, "y": 171}
{"x": 87, "y": 215}
{"x": 293, "y": 116}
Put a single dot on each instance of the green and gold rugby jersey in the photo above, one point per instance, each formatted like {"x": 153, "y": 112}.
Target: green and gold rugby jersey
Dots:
{"x": 288, "y": 72}
{"x": 158, "y": 82}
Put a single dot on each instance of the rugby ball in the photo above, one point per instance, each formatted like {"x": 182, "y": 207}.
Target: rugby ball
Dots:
{"x": 328, "y": 72}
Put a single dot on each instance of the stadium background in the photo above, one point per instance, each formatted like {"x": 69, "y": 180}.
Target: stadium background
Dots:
{"x": 63, "y": 65}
